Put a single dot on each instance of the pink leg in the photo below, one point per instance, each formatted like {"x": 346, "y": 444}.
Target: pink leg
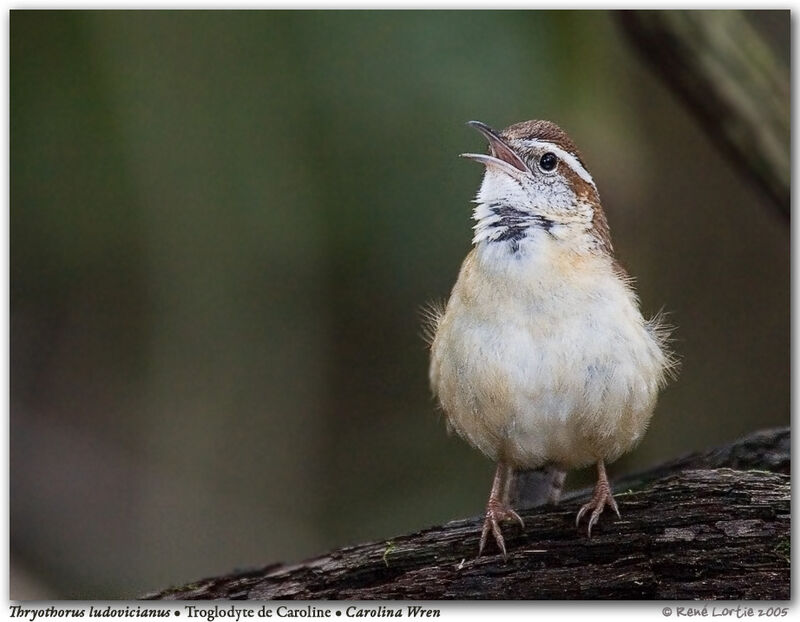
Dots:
{"x": 497, "y": 509}
{"x": 601, "y": 498}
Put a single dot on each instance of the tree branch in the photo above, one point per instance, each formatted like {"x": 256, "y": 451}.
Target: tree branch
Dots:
{"x": 703, "y": 533}
{"x": 730, "y": 79}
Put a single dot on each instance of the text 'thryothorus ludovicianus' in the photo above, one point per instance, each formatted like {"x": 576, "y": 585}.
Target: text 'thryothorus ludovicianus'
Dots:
{"x": 541, "y": 357}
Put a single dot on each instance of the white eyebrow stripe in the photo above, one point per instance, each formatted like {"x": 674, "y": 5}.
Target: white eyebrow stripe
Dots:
{"x": 567, "y": 157}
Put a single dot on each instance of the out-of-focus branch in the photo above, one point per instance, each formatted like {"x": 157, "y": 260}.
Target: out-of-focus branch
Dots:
{"x": 730, "y": 79}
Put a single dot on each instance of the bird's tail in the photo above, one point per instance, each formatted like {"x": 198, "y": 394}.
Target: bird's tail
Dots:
{"x": 537, "y": 486}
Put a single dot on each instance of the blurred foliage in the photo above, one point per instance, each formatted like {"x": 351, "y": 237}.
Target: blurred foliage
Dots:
{"x": 222, "y": 227}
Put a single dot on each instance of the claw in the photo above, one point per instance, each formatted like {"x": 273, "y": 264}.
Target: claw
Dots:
{"x": 613, "y": 503}
{"x": 581, "y": 512}
{"x": 592, "y": 521}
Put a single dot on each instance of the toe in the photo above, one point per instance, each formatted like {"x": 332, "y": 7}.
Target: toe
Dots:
{"x": 498, "y": 538}
{"x": 484, "y": 536}
{"x": 613, "y": 503}
{"x": 593, "y": 519}
{"x": 584, "y": 508}
{"x": 514, "y": 516}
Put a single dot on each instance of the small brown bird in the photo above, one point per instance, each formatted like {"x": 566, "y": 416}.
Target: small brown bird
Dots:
{"x": 541, "y": 357}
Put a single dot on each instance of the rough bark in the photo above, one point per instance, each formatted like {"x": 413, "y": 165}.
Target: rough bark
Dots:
{"x": 714, "y": 525}
{"x": 730, "y": 79}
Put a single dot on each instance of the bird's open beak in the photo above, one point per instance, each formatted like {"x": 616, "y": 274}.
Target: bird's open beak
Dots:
{"x": 502, "y": 155}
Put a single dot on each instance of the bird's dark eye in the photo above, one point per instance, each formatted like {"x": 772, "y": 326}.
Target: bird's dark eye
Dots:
{"x": 548, "y": 161}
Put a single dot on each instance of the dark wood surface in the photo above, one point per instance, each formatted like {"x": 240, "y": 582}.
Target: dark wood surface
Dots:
{"x": 712, "y": 525}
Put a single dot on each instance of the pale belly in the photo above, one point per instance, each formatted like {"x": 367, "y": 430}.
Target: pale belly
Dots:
{"x": 535, "y": 379}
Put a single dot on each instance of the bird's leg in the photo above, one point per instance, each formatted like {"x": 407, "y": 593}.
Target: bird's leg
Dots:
{"x": 601, "y": 498}
{"x": 497, "y": 509}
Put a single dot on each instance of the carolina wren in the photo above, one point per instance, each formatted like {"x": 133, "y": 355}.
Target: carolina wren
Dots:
{"x": 541, "y": 357}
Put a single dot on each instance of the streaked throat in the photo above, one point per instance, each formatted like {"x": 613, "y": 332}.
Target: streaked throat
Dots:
{"x": 500, "y": 223}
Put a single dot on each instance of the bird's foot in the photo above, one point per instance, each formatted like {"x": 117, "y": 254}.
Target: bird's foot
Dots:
{"x": 601, "y": 498}
{"x": 496, "y": 512}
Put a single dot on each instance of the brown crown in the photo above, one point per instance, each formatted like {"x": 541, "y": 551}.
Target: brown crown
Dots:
{"x": 541, "y": 130}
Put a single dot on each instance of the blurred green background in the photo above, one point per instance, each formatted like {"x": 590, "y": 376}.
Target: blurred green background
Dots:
{"x": 223, "y": 225}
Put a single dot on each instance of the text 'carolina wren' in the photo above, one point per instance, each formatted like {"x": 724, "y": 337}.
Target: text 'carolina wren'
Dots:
{"x": 541, "y": 357}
